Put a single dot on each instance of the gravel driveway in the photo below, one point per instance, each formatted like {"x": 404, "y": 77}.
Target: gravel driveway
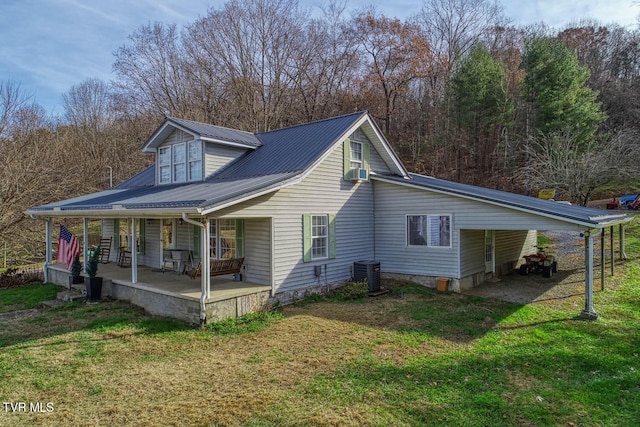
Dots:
{"x": 565, "y": 288}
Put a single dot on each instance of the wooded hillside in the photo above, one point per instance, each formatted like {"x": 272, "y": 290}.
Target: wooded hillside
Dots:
{"x": 459, "y": 92}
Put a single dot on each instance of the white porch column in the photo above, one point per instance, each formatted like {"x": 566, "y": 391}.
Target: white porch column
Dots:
{"x": 588, "y": 313}
{"x": 206, "y": 259}
{"x": 49, "y": 240}
{"x": 134, "y": 252}
{"x": 48, "y": 250}
{"x": 85, "y": 242}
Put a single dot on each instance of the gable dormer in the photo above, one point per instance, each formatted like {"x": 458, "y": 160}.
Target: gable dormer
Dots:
{"x": 188, "y": 151}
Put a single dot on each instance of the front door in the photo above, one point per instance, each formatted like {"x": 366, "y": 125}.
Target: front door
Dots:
{"x": 489, "y": 252}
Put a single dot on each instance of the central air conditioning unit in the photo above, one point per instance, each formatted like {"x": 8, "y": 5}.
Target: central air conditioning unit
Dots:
{"x": 369, "y": 271}
{"x": 359, "y": 174}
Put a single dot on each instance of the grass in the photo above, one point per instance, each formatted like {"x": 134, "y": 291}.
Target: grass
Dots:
{"x": 26, "y": 297}
{"x": 412, "y": 357}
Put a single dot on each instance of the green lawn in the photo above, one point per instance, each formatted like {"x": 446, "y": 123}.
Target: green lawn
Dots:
{"x": 26, "y": 297}
{"x": 413, "y": 357}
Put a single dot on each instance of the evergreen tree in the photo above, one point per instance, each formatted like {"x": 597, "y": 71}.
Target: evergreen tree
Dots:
{"x": 556, "y": 92}
{"x": 482, "y": 108}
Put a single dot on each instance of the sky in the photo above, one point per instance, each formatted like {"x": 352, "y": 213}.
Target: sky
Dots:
{"x": 47, "y": 46}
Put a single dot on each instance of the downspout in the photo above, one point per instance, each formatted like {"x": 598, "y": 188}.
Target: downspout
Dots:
{"x": 205, "y": 278}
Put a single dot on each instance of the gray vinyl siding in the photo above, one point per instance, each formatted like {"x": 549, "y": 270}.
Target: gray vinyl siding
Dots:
{"x": 376, "y": 164}
{"x": 392, "y": 205}
{"x": 323, "y": 191}
{"x": 257, "y": 250}
{"x": 151, "y": 255}
{"x": 477, "y": 215}
{"x": 394, "y": 202}
{"x": 471, "y": 252}
{"x": 511, "y": 246}
{"x": 217, "y": 156}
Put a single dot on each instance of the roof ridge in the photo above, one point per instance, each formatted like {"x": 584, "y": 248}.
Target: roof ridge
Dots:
{"x": 362, "y": 112}
{"x": 210, "y": 124}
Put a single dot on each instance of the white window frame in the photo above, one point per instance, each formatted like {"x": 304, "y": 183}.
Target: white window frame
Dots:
{"x": 355, "y": 162}
{"x": 162, "y": 166}
{"x": 316, "y": 237}
{"x": 219, "y": 245}
{"x": 181, "y": 164}
{"x": 192, "y": 162}
{"x": 186, "y": 166}
{"x": 429, "y": 237}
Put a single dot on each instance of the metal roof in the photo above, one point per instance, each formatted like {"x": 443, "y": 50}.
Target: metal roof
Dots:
{"x": 572, "y": 213}
{"x": 291, "y": 149}
{"x": 146, "y": 178}
{"x": 278, "y": 156}
{"x": 203, "y": 131}
{"x": 217, "y": 132}
{"x": 200, "y": 195}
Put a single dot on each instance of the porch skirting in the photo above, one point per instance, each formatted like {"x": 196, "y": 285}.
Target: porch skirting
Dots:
{"x": 228, "y": 299}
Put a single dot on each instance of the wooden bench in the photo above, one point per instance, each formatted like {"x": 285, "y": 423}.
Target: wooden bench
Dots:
{"x": 220, "y": 267}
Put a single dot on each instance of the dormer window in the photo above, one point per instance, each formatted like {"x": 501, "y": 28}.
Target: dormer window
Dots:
{"x": 180, "y": 162}
{"x": 195, "y": 161}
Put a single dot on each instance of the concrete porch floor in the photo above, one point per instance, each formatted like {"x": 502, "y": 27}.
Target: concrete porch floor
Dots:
{"x": 178, "y": 285}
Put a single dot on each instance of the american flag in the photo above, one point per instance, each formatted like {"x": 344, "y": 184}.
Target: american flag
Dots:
{"x": 68, "y": 247}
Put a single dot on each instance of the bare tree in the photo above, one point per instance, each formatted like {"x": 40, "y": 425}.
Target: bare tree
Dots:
{"x": 453, "y": 26}
{"x": 151, "y": 71}
{"x": 252, "y": 44}
{"x": 559, "y": 161}
{"x": 398, "y": 54}
{"x": 327, "y": 65}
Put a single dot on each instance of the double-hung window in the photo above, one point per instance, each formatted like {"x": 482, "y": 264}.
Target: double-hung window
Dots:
{"x": 429, "y": 230}
{"x": 319, "y": 236}
{"x": 355, "y": 155}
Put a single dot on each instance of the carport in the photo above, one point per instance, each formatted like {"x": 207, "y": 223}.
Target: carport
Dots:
{"x": 475, "y": 213}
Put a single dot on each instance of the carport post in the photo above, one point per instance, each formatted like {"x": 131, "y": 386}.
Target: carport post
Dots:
{"x": 588, "y": 313}
{"x": 623, "y": 255}
{"x": 612, "y": 251}
{"x": 602, "y": 260}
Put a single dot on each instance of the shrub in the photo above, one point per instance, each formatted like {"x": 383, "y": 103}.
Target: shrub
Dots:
{"x": 352, "y": 291}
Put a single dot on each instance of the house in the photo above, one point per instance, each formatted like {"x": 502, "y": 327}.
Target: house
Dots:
{"x": 298, "y": 206}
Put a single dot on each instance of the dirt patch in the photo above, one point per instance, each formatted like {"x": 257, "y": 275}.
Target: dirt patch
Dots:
{"x": 566, "y": 288}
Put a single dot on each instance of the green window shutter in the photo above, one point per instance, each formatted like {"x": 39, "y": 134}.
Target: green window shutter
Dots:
{"x": 346, "y": 154}
{"x": 366, "y": 148}
{"x": 306, "y": 232}
{"x": 239, "y": 238}
{"x": 332, "y": 236}
{"x": 196, "y": 241}
{"x": 141, "y": 232}
{"x": 116, "y": 233}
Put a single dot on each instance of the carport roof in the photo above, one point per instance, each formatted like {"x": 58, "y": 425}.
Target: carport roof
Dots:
{"x": 591, "y": 217}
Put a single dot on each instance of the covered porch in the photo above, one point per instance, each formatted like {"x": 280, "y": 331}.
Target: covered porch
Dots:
{"x": 174, "y": 295}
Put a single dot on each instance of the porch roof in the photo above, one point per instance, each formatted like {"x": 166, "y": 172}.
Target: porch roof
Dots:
{"x": 191, "y": 198}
